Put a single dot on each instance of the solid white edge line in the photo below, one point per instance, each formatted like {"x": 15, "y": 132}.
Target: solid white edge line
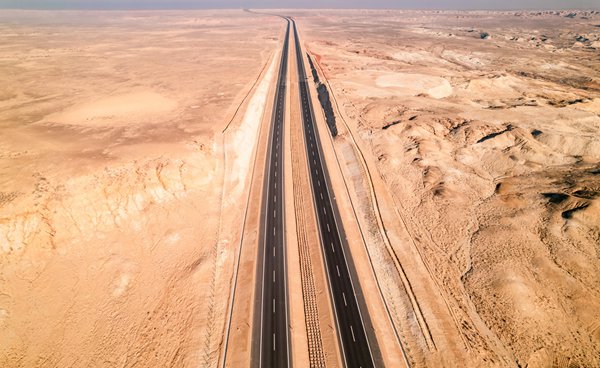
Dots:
{"x": 268, "y": 191}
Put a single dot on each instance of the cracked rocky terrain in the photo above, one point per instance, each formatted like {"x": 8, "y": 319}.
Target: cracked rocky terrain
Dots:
{"x": 111, "y": 180}
{"x": 485, "y": 129}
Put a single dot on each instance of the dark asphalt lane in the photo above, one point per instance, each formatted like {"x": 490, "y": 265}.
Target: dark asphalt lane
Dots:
{"x": 272, "y": 330}
{"x": 355, "y": 345}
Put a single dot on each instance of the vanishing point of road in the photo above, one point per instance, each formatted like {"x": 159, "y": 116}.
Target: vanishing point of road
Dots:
{"x": 272, "y": 331}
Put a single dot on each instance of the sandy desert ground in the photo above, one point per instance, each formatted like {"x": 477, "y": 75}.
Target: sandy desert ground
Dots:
{"x": 112, "y": 179}
{"x": 126, "y": 140}
{"x": 481, "y": 131}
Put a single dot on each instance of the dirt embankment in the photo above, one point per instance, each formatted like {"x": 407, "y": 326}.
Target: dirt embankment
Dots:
{"x": 324, "y": 99}
{"x": 488, "y": 147}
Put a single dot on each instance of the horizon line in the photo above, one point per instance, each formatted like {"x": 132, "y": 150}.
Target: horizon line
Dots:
{"x": 116, "y": 8}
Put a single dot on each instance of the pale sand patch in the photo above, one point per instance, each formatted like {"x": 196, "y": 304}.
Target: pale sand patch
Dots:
{"x": 244, "y": 139}
{"x": 416, "y": 57}
{"x": 414, "y": 84}
{"x": 441, "y": 91}
{"x": 121, "y": 284}
{"x": 121, "y": 109}
{"x": 502, "y": 87}
{"x": 467, "y": 59}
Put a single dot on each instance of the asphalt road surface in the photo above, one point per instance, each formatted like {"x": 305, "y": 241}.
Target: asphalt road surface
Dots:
{"x": 273, "y": 327}
{"x": 355, "y": 345}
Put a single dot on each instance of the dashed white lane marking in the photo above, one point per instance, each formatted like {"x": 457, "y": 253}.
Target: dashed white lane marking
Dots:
{"x": 344, "y": 296}
{"x": 273, "y": 341}
{"x": 273, "y": 305}
{"x": 321, "y": 193}
{"x": 338, "y": 270}
{"x": 274, "y": 213}
{"x": 273, "y": 280}
{"x": 352, "y": 331}
{"x": 319, "y": 182}
{"x": 332, "y": 248}
{"x": 324, "y": 211}
{"x": 275, "y": 199}
{"x": 328, "y": 229}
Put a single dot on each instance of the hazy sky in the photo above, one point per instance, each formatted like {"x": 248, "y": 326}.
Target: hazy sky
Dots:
{"x": 410, "y": 4}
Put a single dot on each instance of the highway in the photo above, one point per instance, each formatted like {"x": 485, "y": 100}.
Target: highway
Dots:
{"x": 272, "y": 330}
{"x": 356, "y": 350}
